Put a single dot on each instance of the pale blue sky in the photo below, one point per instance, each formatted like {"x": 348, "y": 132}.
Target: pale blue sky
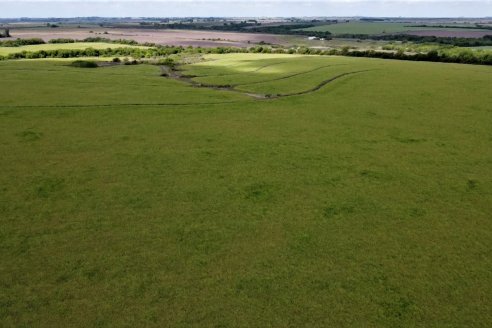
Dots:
{"x": 242, "y": 8}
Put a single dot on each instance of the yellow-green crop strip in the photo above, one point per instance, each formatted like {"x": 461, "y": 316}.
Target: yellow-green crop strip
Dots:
{"x": 64, "y": 46}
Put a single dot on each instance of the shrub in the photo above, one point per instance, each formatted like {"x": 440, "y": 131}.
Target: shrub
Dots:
{"x": 5, "y": 33}
{"x": 61, "y": 40}
{"x": 20, "y": 42}
{"x": 167, "y": 62}
{"x": 84, "y": 64}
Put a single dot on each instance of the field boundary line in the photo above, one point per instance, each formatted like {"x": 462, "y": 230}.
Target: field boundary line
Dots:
{"x": 114, "y": 105}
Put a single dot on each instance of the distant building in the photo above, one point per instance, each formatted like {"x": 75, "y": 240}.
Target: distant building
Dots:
{"x": 313, "y": 38}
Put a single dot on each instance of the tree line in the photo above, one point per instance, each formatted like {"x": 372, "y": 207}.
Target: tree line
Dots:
{"x": 464, "y": 57}
{"x": 21, "y": 42}
{"x": 471, "y": 27}
{"x": 245, "y": 27}
{"x": 34, "y": 41}
{"x": 452, "y": 41}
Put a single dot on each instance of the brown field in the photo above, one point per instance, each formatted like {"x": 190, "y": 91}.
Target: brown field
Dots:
{"x": 164, "y": 37}
{"x": 452, "y": 34}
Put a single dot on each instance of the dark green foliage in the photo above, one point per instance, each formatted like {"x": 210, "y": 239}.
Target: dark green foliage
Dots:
{"x": 231, "y": 26}
{"x": 61, "y": 40}
{"x": 30, "y": 135}
{"x": 458, "y": 42}
{"x": 99, "y": 39}
{"x": 167, "y": 62}
{"x": 464, "y": 57}
{"x": 84, "y": 64}
{"x": 130, "y": 62}
{"x": 292, "y": 29}
{"x": 472, "y": 184}
{"x": 119, "y": 41}
{"x": 461, "y": 27}
{"x": 5, "y": 33}
{"x": 21, "y": 42}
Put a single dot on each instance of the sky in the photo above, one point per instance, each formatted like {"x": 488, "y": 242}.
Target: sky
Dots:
{"x": 245, "y": 8}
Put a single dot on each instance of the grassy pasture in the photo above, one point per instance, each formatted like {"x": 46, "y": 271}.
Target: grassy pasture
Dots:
{"x": 129, "y": 199}
{"x": 354, "y": 27}
{"x": 65, "y": 46}
{"x": 279, "y": 74}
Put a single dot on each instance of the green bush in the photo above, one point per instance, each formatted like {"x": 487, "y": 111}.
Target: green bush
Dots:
{"x": 162, "y": 52}
{"x": 84, "y": 64}
{"x": 5, "y": 33}
{"x": 62, "y": 40}
{"x": 21, "y": 42}
{"x": 167, "y": 62}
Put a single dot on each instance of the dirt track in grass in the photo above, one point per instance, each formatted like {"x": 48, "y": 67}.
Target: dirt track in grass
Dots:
{"x": 176, "y": 74}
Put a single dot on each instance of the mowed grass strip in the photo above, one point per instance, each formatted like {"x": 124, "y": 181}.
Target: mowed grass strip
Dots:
{"x": 365, "y": 203}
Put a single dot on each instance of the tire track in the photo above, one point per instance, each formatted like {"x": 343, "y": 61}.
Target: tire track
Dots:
{"x": 322, "y": 84}
{"x": 289, "y": 76}
{"x": 176, "y": 76}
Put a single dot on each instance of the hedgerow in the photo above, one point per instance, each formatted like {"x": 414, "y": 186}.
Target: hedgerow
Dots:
{"x": 447, "y": 56}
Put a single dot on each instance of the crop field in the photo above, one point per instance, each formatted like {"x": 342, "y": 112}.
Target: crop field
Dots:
{"x": 247, "y": 190}
{"x": 65, "y": 46}
{"x": 380, "y": 28}
{"x": 159, "y": 36}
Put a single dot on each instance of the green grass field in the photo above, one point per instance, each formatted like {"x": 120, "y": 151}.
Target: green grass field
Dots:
{"x": 57, "y": 46}
{"x": 131, "y": 199}
{"x": 354, "y": 27}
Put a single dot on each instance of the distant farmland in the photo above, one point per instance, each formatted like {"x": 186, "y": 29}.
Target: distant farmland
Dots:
{"x": 369, "y": 28}
{"x": 158, "y": 36}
